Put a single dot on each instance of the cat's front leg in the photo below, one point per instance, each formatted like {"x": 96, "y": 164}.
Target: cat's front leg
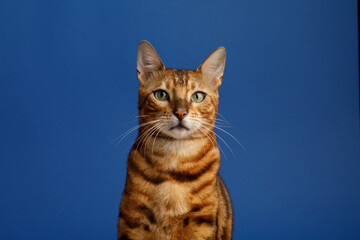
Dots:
{"x": 136, "y": 224}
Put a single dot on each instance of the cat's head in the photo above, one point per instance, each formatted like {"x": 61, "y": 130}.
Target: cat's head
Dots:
{"x": 174, "y": 102}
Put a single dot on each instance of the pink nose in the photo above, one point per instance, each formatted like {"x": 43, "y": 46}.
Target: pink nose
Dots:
{"x": 180, "y": 113}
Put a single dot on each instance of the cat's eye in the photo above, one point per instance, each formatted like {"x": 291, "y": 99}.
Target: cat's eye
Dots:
{"x": 161, "y": 95}
{"x": 198, "y": 97}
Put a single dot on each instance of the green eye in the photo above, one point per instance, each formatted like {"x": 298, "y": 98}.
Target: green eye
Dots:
{"x": 161, "y": 95}
{"x": 198, "y": 97}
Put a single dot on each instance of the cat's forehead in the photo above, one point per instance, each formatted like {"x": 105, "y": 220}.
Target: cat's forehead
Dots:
{"x": 181, "y": 79}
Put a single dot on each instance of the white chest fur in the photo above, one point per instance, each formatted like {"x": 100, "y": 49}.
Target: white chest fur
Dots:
{"x": 180, "y": 149}
{"x": 171, "y": 199}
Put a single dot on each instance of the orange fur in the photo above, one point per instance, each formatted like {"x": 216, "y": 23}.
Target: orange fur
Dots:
{"x": 173, "y": 190}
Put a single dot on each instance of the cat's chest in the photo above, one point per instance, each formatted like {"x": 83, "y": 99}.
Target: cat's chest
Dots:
{"x": 171, "y": 199}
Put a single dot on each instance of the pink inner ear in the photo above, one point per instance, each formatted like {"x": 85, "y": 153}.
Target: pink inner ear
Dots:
{"x": 212, "y": 78}
{"x": 213, "y": 67}
{"x": 147, "y": 59}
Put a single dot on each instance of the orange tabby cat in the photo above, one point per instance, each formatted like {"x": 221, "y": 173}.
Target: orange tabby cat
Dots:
{"x": 173, "y": 189}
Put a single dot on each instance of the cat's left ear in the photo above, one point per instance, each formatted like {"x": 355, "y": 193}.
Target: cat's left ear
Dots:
{"x": 212, "y": 69}
{"x": 147, "y": 61}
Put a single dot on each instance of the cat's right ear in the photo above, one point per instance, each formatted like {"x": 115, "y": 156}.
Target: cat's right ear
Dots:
{"x": 147, "y": 61}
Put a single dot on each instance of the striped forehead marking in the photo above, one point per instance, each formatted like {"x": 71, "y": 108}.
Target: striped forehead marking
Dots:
{"x": 180, "y": 77}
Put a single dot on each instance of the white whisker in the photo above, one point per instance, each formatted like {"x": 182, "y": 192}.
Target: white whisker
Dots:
{"x": 126, "y": 133}
{"x": 217, "y": 135}
{"x": 143, "y": 136}
{"x": 210, "y": 138}
{"x": 227, "y": 134}
{"x": 159, "y": 130}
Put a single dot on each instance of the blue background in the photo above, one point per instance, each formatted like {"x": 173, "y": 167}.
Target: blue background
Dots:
{"x": 68, "y": 88}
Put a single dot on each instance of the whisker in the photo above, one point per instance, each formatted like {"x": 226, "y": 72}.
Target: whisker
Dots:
{"x": 218, "y": 121}
{"x": 159, "y": 130}
{"x": 126, "y": 133}
{"x": 227, "y": 134}
{"x": 224, "y": 119}
{"x": 217, "y": 135}
{"x": 144, "y": 136}
{"x": 156, "y": 129}
{"x": 210, "y": 138}
{"x": 201, "y": 140}
{"x": 199, "y": 126}
{"x": 146, "y": 128}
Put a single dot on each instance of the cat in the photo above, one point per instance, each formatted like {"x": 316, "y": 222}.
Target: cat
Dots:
{"x": 173, "y": 189}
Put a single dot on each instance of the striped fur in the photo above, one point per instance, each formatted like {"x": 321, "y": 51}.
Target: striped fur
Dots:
{"x": 173, "y": 189}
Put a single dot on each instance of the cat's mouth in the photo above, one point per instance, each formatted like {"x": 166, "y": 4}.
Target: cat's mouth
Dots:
{"x": 180, "y": 127}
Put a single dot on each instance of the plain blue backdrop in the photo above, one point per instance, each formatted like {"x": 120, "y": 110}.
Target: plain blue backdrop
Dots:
{"x": 68, "y": 88}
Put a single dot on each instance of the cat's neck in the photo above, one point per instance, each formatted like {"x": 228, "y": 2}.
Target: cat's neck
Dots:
{"x": 169, "y": 153}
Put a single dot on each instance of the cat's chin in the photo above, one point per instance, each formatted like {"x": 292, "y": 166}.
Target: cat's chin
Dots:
{"x": 178, "y": 132}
